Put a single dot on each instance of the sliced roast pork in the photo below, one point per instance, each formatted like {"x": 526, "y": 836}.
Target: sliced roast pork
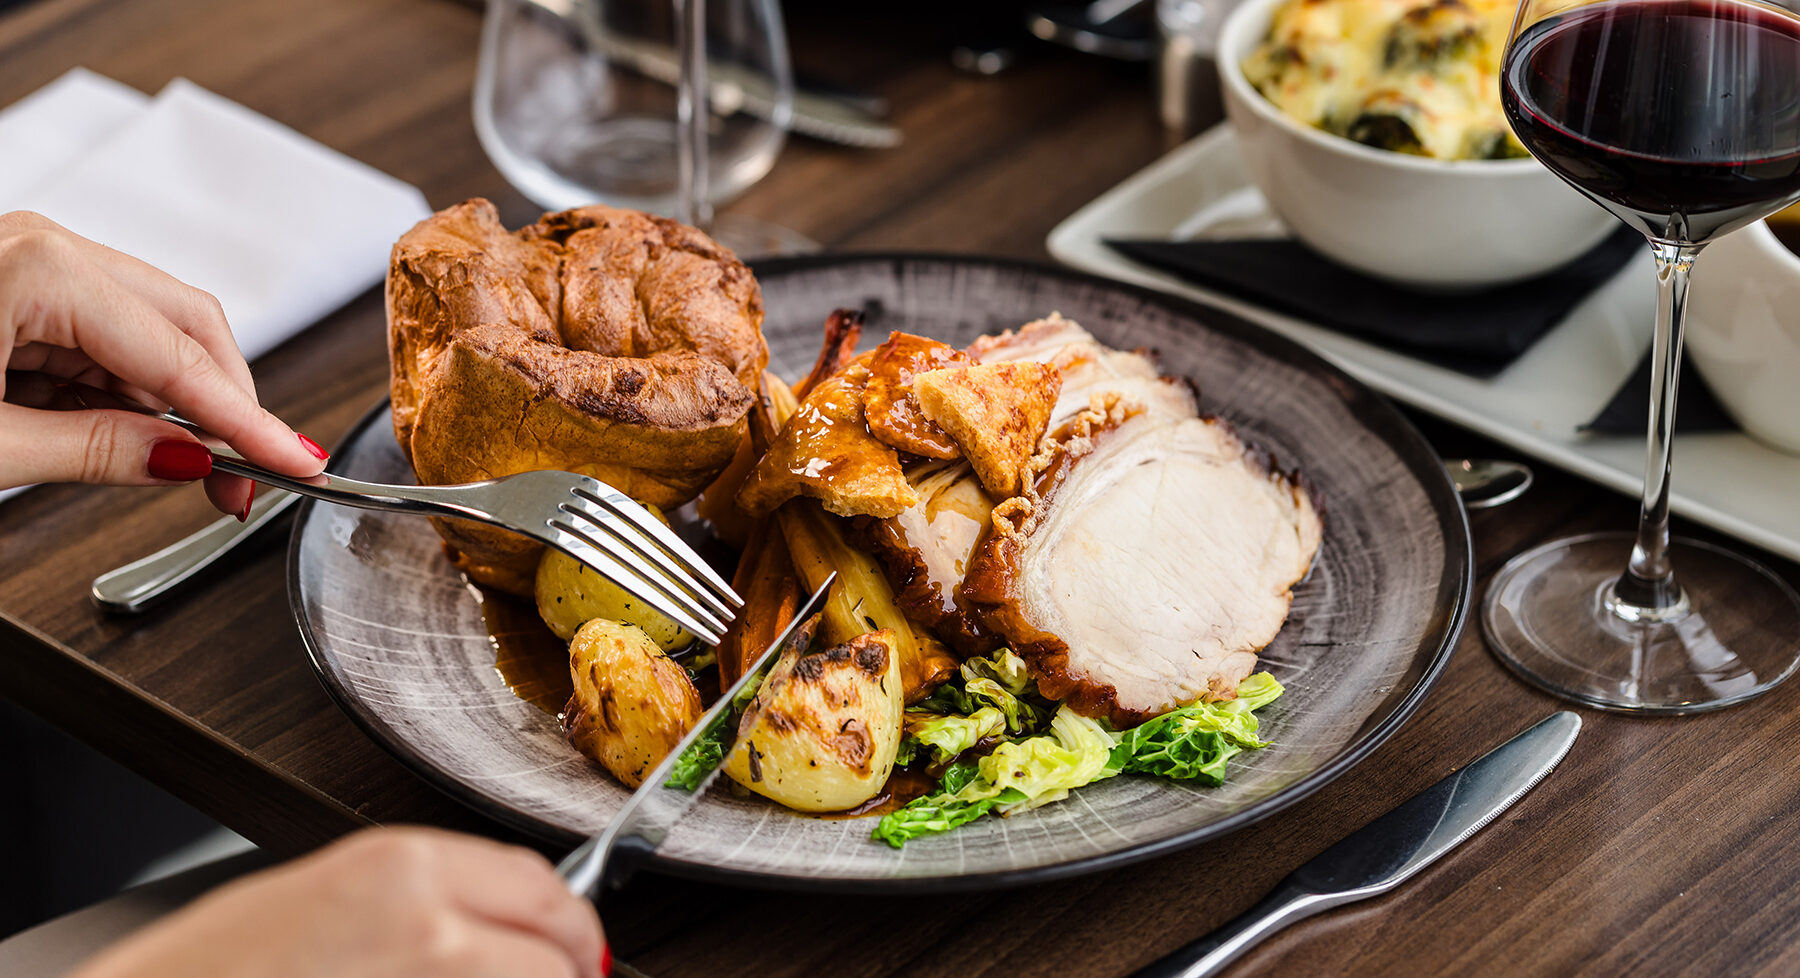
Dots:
{"x": 1138, "y": 557}
{"x": 1153, "y": 561}
{"x": 1089, "y": 368}
{"x": 926, "y": 549}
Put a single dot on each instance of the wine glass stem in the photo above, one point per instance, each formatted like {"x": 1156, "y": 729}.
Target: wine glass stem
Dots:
{"x": 691, "y": 112}
{"x": 1647, "y": 591}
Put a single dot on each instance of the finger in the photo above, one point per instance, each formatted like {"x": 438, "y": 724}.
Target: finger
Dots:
{"x": 43, "y": 298}
{"x": 193, "y": 311}
{"x": 518, "y": 888}
{"x": 74, "y": 366}
{"x": 231, "y": 494}
{"x": 114, "y": 448}
{"x": 475, "y": 948}
{"x": 43, "y": 358}
{"x": 102, "y": 391}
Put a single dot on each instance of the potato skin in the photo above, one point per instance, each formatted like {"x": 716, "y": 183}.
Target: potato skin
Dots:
{"x": 823, "y": 731}
{"x": 570, "y": 594}
{"x": 632, "y": 704}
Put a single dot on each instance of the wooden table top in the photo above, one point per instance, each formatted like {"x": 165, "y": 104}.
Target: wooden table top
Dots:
{"x": 1660, "y": 846}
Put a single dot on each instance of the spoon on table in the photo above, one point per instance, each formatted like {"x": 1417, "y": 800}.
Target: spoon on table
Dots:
{"x": 1487, "y": 482}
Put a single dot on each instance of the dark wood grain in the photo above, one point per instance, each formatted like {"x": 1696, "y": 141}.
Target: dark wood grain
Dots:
{"x": 1659, "y": 847}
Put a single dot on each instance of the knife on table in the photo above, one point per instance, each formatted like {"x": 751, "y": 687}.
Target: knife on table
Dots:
{"x": 145, "y": 582}
{"x": 654, "y": 808}
{"x": 1388, "y": 851}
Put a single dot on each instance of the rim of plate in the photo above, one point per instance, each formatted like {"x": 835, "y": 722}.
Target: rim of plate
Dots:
{"x": 1369, "y": 408}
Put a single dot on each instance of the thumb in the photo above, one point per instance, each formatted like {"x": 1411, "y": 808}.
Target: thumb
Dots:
{"x": 114, "y": 448}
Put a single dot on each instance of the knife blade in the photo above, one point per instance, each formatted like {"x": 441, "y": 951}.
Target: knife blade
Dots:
{"x": 654, "y": 808}
{"x": 1388, "y": 851}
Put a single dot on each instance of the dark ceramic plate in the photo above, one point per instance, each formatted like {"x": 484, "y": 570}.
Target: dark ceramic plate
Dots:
{"x": 398, "y": 638}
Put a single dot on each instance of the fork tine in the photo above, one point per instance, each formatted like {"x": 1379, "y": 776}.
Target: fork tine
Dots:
{"x": 634, "y": 584}
{"x": 626, "y": 508}
{"x": 628, "y": 536}
{"x": 641, "y": 571}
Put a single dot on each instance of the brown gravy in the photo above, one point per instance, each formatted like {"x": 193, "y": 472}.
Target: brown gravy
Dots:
{"x": 902, "y": 786}
{"x": 530, "y": 659}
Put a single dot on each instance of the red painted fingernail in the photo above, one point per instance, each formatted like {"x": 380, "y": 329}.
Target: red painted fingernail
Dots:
{"x": 244, "y": 514}
{"x": 606, "y": 961}
{"x": 313, "y": 447}
{"x": 179, "y": 461}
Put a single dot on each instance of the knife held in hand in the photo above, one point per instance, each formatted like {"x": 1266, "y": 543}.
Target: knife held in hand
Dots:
{"x": 1388, "y": 851}
{"x": 679, "y": 782}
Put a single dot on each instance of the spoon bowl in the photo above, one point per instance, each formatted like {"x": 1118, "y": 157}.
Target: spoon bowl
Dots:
{"x": 1487, "y": 482}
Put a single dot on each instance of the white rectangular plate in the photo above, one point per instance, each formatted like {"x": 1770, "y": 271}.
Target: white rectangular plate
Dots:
{"x": 1725, "y": 480}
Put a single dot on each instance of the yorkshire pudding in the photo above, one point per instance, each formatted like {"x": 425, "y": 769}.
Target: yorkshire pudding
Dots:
{"x": 601, "y": 341}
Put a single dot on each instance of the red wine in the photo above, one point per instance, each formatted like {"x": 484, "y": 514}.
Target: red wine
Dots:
{"x": 1680, "y": 116}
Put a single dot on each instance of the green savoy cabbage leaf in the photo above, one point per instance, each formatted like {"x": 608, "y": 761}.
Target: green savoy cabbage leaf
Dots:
{"x": 1194, "y": 741}
{"x": 1191, "y": 742}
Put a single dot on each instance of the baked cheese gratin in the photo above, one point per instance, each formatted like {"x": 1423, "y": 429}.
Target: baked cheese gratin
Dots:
{"x": 1412, "y": 76}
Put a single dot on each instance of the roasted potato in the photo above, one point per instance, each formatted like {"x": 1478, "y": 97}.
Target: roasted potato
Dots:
{"x": 822, "y": 733}
{"x": 632, "y": 704}
{"x": 569, "y": 594}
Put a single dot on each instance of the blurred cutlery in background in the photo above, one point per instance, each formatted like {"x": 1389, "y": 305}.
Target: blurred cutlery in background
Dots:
{"x": 815, "y": 113}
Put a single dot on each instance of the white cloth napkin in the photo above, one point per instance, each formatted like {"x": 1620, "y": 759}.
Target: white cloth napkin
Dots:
{"x": 42, "y": 132}
{"x": 280, "y": 228}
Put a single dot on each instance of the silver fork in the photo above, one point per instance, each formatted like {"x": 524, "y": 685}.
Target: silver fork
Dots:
{"x": 578, "y": 515}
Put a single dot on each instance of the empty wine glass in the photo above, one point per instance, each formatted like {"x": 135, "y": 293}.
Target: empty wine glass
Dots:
{"x": 1682, "y": 118}
{"x": 576, "y": 102}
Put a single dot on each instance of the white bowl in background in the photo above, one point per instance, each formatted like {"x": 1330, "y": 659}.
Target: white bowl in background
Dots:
{"x": 1437, "y": 225}
{"x": 1743, "y": 332}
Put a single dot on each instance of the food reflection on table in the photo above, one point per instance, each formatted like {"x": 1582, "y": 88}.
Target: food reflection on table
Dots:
{"x": 1052, "y": 568}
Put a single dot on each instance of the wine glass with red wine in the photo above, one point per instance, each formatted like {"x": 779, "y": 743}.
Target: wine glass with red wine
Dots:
{"x": 1682, "y": 118}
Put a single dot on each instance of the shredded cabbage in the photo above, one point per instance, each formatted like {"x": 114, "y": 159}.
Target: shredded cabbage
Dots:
{"x": 1003, "y": 667}
{"x": 949, "y": 736}
{"x": 708, "y": 752}
{"x": 1191, "y": 742}
{"x": 1018, "y": 775}
{"x": 1194, "y": 741}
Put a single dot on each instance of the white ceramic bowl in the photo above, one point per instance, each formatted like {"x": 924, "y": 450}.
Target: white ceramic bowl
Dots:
{"x": 1431, "y": 224}
{"x": 1743, "y": 332}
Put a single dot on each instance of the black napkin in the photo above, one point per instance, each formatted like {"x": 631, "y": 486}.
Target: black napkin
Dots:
{"x": 1477, "y": 333}
{"x": 1628, "y": 413}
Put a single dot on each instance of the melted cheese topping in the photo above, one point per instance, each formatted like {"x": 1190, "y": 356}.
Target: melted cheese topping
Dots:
{"x": 1415, "y": 76}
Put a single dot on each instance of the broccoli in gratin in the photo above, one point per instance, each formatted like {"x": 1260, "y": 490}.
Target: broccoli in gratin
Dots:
{"x": 1412, "y": 76}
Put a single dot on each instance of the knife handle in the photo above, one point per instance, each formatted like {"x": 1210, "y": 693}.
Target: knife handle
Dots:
{"x": 1210, "y": 954}
{"x": 142, "y": 583}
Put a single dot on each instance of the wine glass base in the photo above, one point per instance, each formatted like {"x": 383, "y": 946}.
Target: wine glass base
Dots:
{"x": 1546, "y": 618}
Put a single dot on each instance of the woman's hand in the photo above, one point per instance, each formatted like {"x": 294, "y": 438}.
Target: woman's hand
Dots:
{"x": 73, "y": 310}
{"x": 385, "y": 903}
